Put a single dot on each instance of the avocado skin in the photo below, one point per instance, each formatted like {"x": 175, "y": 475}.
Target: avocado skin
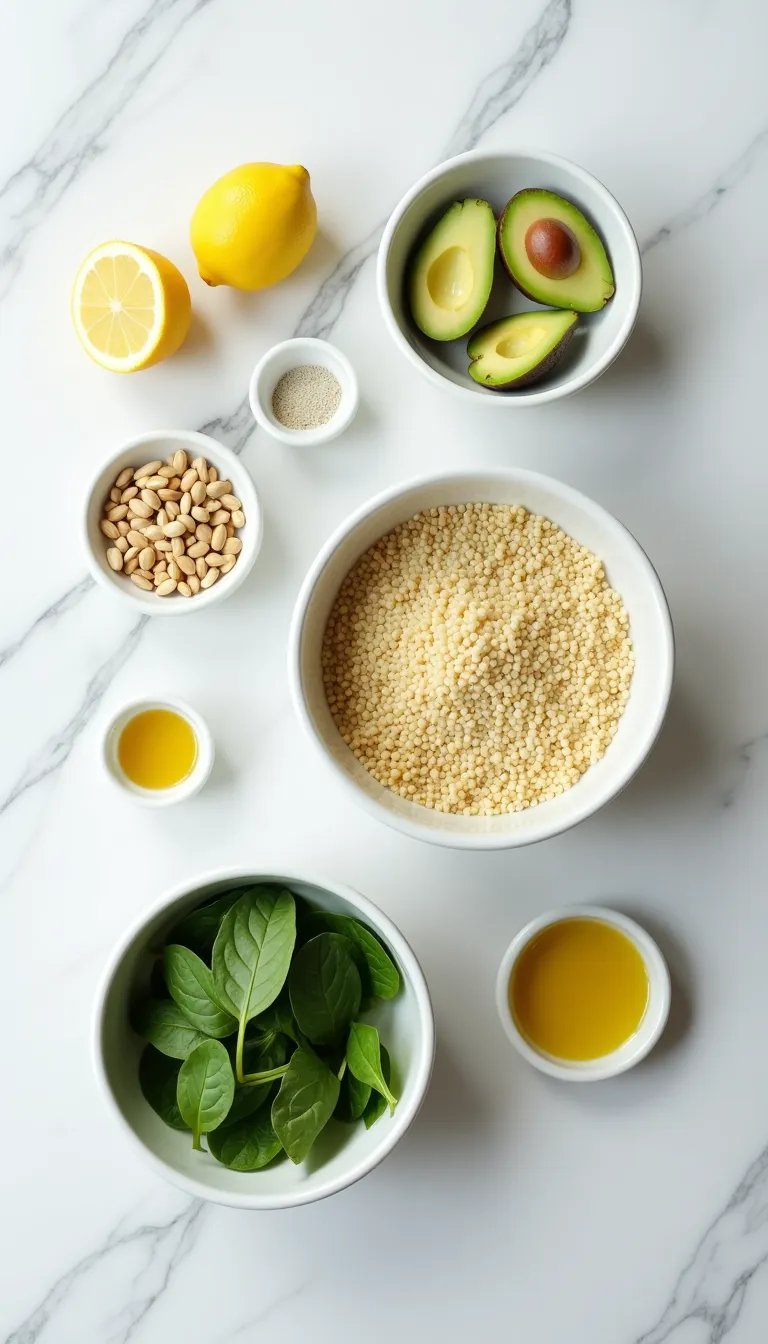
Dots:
{"x": 537, "y": 298}
{"x": 548, "y": 362}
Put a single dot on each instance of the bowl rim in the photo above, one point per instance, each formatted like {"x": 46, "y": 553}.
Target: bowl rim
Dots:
{"x": 409, "y": 966}
{"x": 654, "y": 1019}
{"x": 415, "y": 828}
{"x": 633, "y": 281}
{"x": 206, "y": 446}
{"x": 342, "y": 417}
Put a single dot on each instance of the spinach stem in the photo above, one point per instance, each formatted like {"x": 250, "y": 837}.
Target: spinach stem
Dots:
{"x": 239, "y": 1050}
{"x": 266, "y": 1076}
{"x": 342, "y": 1069}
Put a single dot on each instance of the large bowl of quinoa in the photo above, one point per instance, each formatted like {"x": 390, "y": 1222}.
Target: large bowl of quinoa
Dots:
{"x": 483, "y": 658}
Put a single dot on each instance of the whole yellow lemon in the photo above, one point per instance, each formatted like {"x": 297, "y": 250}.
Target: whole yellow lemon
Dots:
{"x": 254, "y": 226}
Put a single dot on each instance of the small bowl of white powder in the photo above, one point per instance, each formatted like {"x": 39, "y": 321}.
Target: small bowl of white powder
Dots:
{"x": 304, "y": 392}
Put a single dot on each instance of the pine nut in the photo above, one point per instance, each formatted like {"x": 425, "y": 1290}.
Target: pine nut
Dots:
{"x": 177, "y": 547}
{"x": 230, "y": 530}
{"x": 229, "y": 563}
{"x": 154, "y": 482}
{"x": 219, "y": 537}
{"x": 174, "y": 572}
{"x": 198, "y": 492}
{"x": 185, "y": 503}
{"x": 130, "y": 493}
{"x": 122, "y": 545}
{"x": 194, "y": 583}
{"x": 141, "y": 582}
{"x": 167, "y": 587}
{"x": 233, "y": 546}
{"x": 139, "y": 509}
{"x": 238, "y": 518}
{"x": 209, "y": 579}
{"x": 187, "y": 520}
{"x": 117, "y": 512}
{"x": 114, "y": 495}
{"x": 218, "y": 488}
{"x": 130, "y": 565}
{"x": 167, "y": 493}
{"x": 129, "y": 554}
{"x": 188, "y": 479}
{"x": 220, "y": 516}
{"x": 200, "y": 514}
{"x": 167, "y": 471}
{"x": 180, "y": 462}
{"x": 215, "y": 561}
{"x": 186, "y": 565}
{"x": 136, "y": 538}
{"x": 201, "y": 568}
{"x": 201, "y": 467}
{"x": 198, "y": 549}
{"x": 174, "y": 528}
{"x": 230, "y": 502}
{"x": 123, "y": 528}
{"x": 213, "y": 474}
{"x": 148, "y": 469}
{"x": 162, "y": 518}
{"x": 153, "y": 533}
{"x": 203, "y": 532}
{"x": 172, "y": 510}
{"x": 151, "y": 500}
{"x": 109, "y": 529}
{"x": 124, "y": 478}
{"x": 147, "y": 558}
{"x": 114, "y": 558}
{"x": 164, "y": 547}
{"x": 184, "y": 589}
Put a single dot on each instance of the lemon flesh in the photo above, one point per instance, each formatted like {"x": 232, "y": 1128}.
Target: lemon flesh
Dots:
{"x": 130, "y": 307}
{"x": 254, "y": 226}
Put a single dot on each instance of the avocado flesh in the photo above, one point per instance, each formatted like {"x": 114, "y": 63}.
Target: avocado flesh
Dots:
{"x": 452, "y": 271}
{"x": 519, "y": 350}
{"x": 589, "y": 287}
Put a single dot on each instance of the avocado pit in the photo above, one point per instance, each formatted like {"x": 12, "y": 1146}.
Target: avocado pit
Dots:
{"x": 552, "y": 249}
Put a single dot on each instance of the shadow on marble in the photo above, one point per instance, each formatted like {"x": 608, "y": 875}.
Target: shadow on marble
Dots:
{"x": 643, "y": 363}
{"x": 200, "y": 339}
{"x": 682, "y": 765}
{"x": 452, "y": 1112}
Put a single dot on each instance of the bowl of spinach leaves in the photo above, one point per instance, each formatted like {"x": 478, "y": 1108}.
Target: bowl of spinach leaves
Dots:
{"x": 264, "y": 1039}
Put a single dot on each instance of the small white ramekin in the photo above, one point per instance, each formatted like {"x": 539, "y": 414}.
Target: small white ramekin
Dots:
{"x": 159, "y": 443}
{"x": 290, "y": 355}
{"x": 638, "y": 1045}
{"x": 197, "y": 776}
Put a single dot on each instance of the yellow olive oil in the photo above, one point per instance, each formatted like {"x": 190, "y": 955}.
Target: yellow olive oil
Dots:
{"x": 157, "y": 749}
{"x": 579, "y": 989}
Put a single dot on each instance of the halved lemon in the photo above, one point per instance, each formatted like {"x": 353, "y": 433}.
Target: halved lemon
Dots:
{"x": 130, "y": 306}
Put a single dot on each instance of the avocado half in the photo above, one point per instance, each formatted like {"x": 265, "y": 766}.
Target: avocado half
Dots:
{"x": 519, "y": 350}
{"x": 590, "y": 284}
{"x": 452, "y": 272}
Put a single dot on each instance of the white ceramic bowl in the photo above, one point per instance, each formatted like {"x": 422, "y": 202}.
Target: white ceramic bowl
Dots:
{"x": 342, "y": 1154}
{"x": 628, "y": 571}
{"x": 289, "y": 355}
{"x": 185, "y": 788}
{"x": 638, "y": 1045}
{"x": 496, "y": 177}
{"x": 161, "y": 443}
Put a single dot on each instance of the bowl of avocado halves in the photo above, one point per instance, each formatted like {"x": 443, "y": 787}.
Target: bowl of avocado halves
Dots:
{"x": 512, "y": 277}
{"x": 263, "y": 1039}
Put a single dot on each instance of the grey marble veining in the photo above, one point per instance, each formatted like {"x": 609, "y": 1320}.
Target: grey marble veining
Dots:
{"x": 725, "y": 182}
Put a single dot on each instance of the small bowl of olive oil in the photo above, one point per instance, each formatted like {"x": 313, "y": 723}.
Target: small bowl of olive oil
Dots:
{"x": 583, "y": 993}
{"x": 158, "y": 751}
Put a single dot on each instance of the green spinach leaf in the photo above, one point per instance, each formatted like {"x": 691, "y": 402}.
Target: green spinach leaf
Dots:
{"x": 364, "y": 1060}
{"x": 205, "y": 1089}
{"x": 247, "y": 1144}
{"x": 377, "y": 1104}
{"x": 162, "y": 1023}
{"x": 157, "y": 1080}
{"x": 198, "y": 929}
{"x": 325, "y": 987}
{"x": 252, "y": 954}
{"x": 249, "y": 1097}
{"x": 353, "y": 1099}
{"x": 380, "y": 975}
{"x": 304, "y": 1104}
{"x": 190, "y": 985}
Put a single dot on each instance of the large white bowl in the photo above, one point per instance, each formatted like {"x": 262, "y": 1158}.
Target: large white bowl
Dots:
{"x": 628, "y": 570}
{"x": 598, "y": 337}
{"x": 161, "y": 443}
{"x": 343, "y": 1153}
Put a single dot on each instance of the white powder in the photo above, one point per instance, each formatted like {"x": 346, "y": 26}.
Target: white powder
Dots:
{"x": 306, "y": 397}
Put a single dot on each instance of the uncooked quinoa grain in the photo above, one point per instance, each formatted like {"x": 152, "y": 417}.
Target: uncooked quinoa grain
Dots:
{"x": 306, "y": 397}
{"x": 476, "y": 660}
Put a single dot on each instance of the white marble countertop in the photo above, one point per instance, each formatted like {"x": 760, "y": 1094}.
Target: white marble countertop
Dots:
{"x": 627, "y": 1211}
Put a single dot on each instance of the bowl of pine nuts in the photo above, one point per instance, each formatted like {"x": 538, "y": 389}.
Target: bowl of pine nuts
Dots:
{"x": 173, "y": 515}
